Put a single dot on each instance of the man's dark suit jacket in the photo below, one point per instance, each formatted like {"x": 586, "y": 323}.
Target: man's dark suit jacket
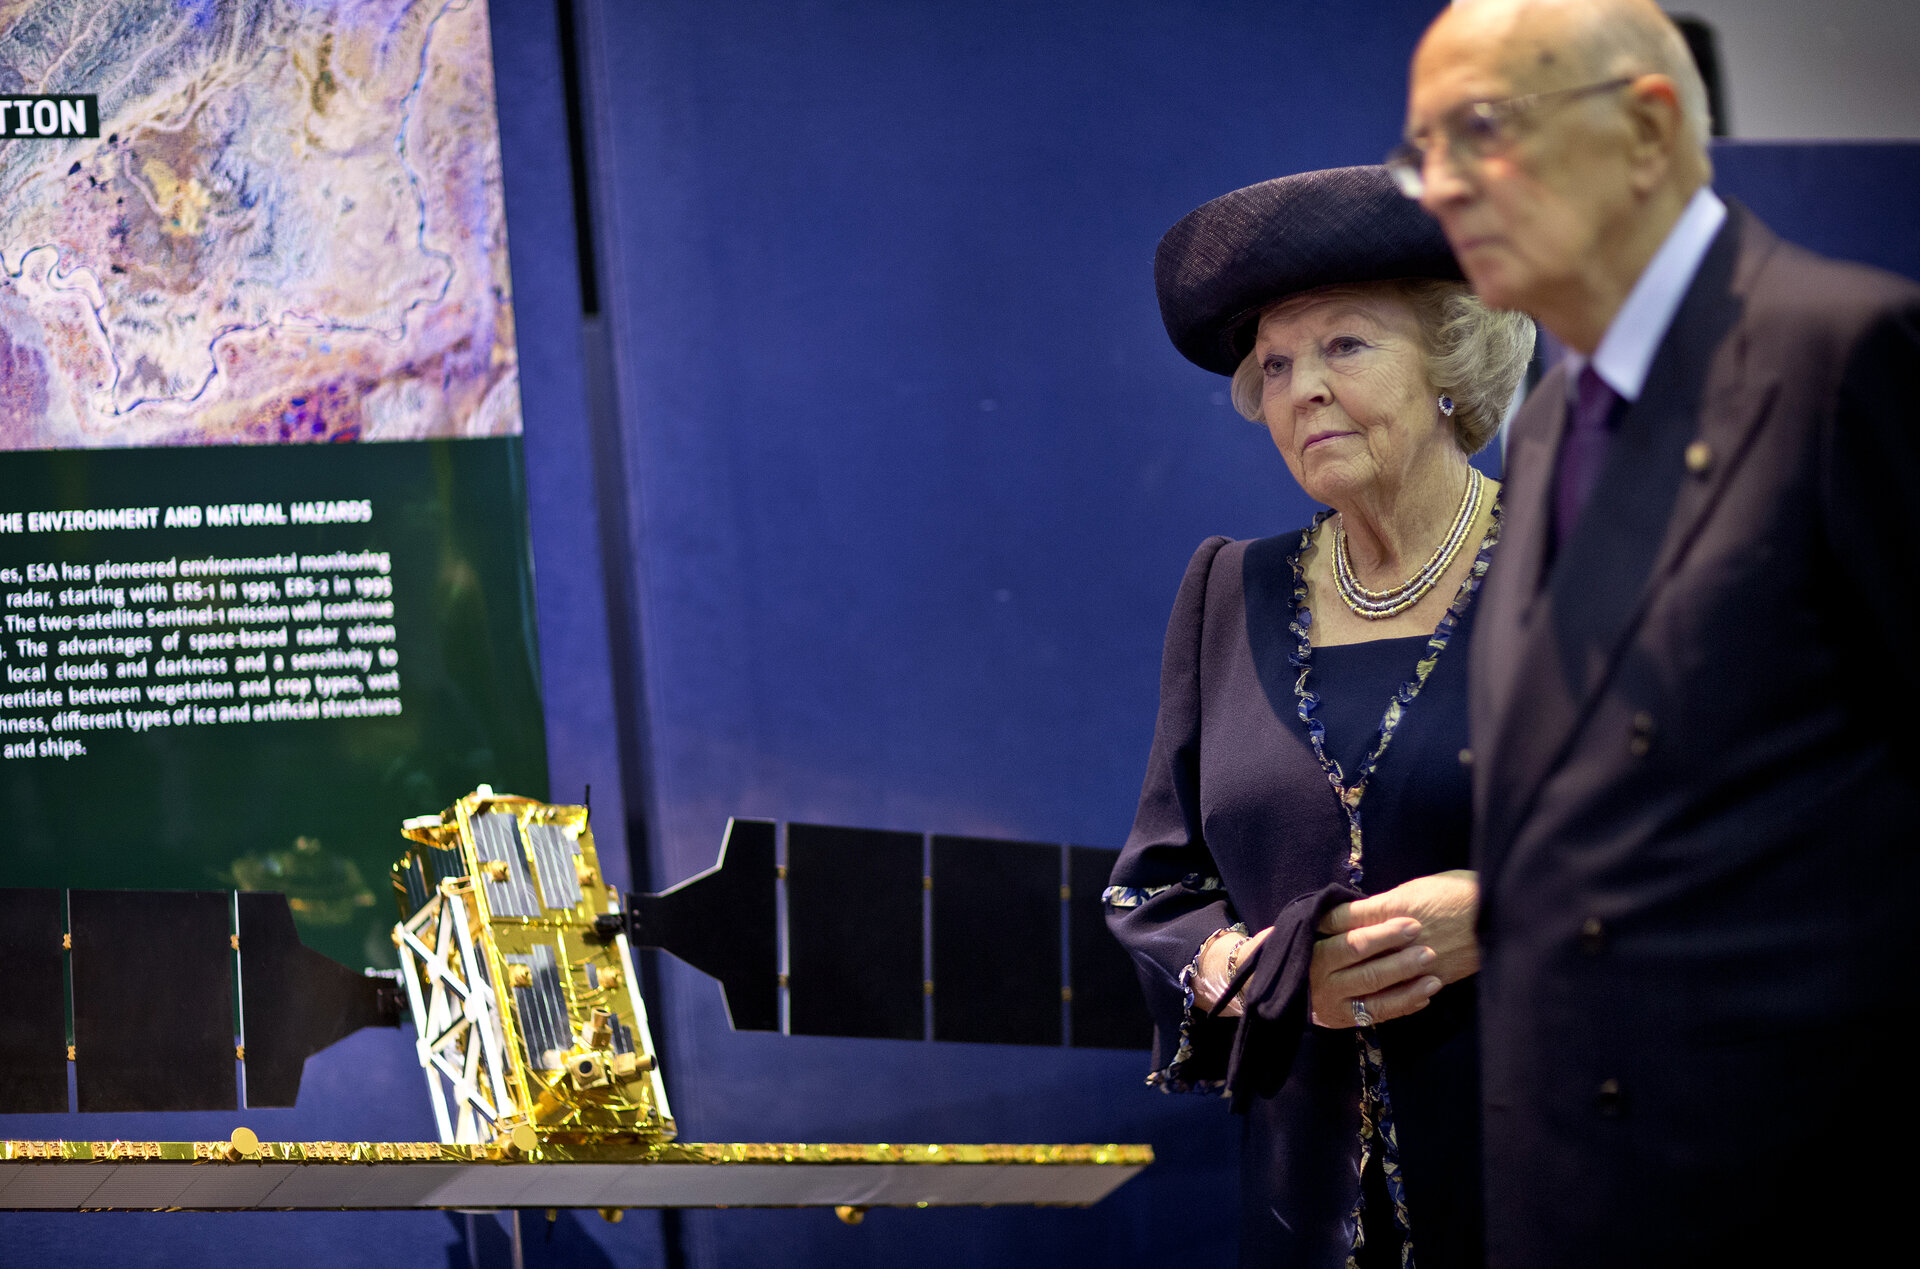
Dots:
{"x": 1696, "y": 798}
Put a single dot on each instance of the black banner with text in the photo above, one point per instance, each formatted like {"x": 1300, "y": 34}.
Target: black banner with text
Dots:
{"x": 244, "y": 666}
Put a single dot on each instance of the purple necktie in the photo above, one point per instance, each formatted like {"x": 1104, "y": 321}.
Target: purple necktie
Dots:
{"x": 1582, "y": 451}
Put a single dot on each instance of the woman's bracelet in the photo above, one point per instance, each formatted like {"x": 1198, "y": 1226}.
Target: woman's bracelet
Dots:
{"x": 1233, "y": 957}
{"x": 1207, "y": 945}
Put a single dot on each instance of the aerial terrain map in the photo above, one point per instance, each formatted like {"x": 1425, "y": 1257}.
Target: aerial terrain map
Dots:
{"x": 290, "y": 227}
{"x": 234, "y": 651}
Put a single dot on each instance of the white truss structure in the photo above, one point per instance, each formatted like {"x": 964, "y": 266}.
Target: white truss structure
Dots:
{"x": 461, "y": 1039}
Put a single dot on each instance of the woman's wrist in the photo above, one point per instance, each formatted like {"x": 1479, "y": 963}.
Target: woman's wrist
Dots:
{"x": 1215, "y": 964}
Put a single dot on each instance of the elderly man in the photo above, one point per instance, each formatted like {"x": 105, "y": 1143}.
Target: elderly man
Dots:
{"x": 1694, "y": 781}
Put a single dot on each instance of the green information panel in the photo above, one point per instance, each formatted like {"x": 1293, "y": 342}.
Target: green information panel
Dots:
{"x": 244, "y": 666}
{"x": 264, "y": 579}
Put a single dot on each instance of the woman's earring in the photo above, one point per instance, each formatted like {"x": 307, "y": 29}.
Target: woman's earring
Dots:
{"x": 1446, "y": 406}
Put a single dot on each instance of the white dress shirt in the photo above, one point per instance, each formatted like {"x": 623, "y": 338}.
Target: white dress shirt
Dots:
{"x": 1626, "y": 349}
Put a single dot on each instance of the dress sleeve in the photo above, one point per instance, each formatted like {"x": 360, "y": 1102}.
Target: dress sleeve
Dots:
{"x": 1165, "y": 896}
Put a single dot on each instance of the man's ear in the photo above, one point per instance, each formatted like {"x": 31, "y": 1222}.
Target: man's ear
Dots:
{"x": 1656, "y": 130}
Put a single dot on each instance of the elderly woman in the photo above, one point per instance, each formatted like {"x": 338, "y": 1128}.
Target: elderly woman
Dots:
{"x": 1294, "y": 893}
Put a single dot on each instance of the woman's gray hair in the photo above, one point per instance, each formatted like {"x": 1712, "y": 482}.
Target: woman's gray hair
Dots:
{"x": 1473, "y": 354}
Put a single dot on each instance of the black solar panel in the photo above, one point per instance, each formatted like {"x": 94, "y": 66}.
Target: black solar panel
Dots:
{"x": 854, "y": 903}
{"x": 33, "y": 1024}
{"x": 153, "y": 1017}
{"x": 725, "y": 922}
{"x": 996, "y": 941}
{"x": 294, "y": 1001}
{"x": 854, "y": 933}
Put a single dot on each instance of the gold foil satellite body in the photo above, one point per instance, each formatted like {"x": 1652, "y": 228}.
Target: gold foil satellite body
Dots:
{"x": 527, "y": 1009}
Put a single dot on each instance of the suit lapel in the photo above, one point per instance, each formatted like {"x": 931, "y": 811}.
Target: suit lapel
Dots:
{"x": 1564, "y": 639}
{"x": 1735, "y": 398}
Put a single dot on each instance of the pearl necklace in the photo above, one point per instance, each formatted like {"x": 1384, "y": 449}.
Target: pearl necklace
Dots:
{"x": 1376, "y": 605}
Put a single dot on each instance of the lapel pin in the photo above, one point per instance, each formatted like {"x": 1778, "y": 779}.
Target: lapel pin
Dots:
{"x": 1699, "y": 458}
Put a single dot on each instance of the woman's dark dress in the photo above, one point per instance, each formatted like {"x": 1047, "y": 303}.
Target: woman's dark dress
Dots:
{"x": 1236, "y": 819}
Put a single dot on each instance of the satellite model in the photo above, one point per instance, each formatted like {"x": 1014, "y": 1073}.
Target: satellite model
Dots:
{"x": 499, "y": 906}
{"x": 517, "y": 968}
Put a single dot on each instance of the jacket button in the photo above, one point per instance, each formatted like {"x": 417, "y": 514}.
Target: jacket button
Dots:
{"x": 1466, "y": 757}
{"x": 1699, "y": 458}
{"x": 1611, "y": 1099}
{"x": 1640, "y": 734}
{"x": 1593, "y": 936}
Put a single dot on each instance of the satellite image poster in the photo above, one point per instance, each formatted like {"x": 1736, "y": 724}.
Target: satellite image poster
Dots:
{"x": 265, "y": 582}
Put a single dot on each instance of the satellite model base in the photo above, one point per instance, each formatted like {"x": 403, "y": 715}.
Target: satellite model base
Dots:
{"x": 248, "y": 1175}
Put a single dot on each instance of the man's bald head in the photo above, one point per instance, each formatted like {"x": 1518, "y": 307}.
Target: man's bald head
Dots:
{"x": 1560, "y": 43}
{"x": 1558, "y": 141}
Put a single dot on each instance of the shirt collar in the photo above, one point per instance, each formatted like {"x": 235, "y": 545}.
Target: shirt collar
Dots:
{"x": 1626, "y": 349}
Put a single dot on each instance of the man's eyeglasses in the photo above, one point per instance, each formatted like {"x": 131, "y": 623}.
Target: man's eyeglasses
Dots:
{"x": 1479, "y": 129}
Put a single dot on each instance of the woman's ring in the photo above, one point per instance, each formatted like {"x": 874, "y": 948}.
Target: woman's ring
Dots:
{"x": 1361, "y": 1018}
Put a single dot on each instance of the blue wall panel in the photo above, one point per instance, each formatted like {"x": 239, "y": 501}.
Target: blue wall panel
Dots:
{"x": 569, "y": 578}
{"x": 914, "y": 474}
{"x": 1856, "y": 200}
{"x": 910, "y": 451}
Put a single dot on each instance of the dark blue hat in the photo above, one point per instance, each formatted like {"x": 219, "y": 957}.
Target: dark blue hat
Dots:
{"x": 1228, "y": 259}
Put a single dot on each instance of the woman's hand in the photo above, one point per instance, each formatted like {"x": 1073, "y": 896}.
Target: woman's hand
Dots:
{"x": 1444, "y": 904}
{"x": 1380, "y": 965}
{"x": 1392, "y": 951}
